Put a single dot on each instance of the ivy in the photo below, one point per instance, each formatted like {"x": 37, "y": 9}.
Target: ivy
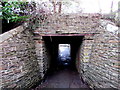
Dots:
{"x": 14, "y": 11}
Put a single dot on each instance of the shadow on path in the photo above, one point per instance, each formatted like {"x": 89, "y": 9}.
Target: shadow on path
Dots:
{"x": 64, "y": 78}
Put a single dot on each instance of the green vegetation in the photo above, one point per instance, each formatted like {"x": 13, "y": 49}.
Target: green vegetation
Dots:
{"x": 13, "y": 11}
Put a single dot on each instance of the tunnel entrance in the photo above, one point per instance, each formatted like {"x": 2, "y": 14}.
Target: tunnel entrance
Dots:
{"x": 52, "y": 45}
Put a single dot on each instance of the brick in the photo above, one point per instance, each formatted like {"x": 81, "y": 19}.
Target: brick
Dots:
{"x": 97, "y": 53}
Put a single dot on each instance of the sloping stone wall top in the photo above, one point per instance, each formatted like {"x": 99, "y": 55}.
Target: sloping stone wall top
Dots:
{"x": 10, "y": 33}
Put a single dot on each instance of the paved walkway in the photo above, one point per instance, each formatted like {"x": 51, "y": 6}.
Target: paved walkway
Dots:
{"x": 65, "y": 78}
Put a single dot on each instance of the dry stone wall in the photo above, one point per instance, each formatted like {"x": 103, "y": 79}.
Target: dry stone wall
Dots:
{"x": 98, "y": 64}
{"x": 19, "y": 66}
{"x": 39, "y": 55}
{"x": 42, "y": 55}
{"x": 70, "y": 24}
{"x": 104, "y": 63}
{"x": 85, "y": 56}
{"x": 25, "y": 58}
{"x": 46, "y": 58}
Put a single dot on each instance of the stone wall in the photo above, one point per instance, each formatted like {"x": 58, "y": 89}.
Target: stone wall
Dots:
{"x": 25, "y": 58}
{"x": 104, "y": 63}
{"x": 19, "y": 66}
{"x": 39, "y": 54}
{"x": 98, "y": 63}
{"x": 85, "y": 56}
{"x": 46, "y": 58}
{"x": 66, "y": 24}
{"x": 42, "y": 55}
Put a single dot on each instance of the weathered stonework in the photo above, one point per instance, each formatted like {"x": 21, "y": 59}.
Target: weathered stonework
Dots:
{"x": 104, "y": 61}
{"x": 42, "y": 56}
{"x": 25, "y": 57}
{"x": 19, "y": 64}
{"x": 98, "y": 52}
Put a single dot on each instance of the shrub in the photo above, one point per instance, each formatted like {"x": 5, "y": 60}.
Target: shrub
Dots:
{"x": 14, "y": 11}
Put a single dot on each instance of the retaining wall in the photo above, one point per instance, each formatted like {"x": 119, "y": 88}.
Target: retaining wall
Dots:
{"x": 98, "y": 64}
{"x": 19, "y": 66}
{"x": 25, "y": 58}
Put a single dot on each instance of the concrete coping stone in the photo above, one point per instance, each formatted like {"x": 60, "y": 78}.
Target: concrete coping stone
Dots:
{"x": 11, "y": 33}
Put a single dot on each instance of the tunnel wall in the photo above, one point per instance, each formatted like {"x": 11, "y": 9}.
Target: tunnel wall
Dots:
{"x": 97, "y": 52}
{"x": 104, "y": 64}
{"x": 25, "y": 58}
{"x": 99, "y": 61}
{"x": 18, "y": 63}
{"x": 46, "y": 58}
{"x": 42, "y": 55}
{"x": 84, "y": 56}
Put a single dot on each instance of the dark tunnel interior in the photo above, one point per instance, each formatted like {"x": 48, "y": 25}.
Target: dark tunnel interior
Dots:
{"x": 52, "y": 43}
